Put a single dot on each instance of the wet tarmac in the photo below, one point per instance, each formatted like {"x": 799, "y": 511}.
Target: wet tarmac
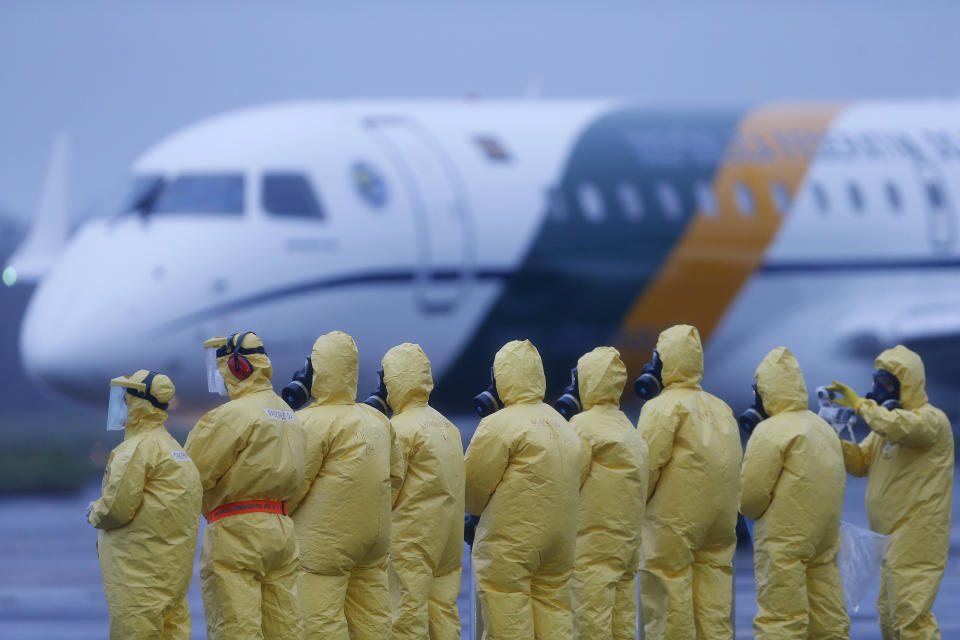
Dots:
{"x": 50, "y": 585}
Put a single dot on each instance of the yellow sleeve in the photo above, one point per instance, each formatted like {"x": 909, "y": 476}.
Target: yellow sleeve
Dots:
{"x": 213, "y": 445}
{"x": 122, "y": 488}
{"x": 486, "y": 460}
{"x": 762, "y": 464}
{"x": 404, "y": 444}
{"x": 317, "y": 448}
{"x": 658, "y": 428}
{"x": 857, "y": 457}
{"x": 908, "y": 428}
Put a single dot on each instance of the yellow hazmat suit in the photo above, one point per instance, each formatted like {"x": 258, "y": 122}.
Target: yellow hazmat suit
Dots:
{"x": 909, "y": 459}
{"x": 613, "y": 495}
{"x": 249, "y": 450}
{"x": 689, "y": 532}
{"x": 792, "y": 484}
{"x": 148, "y": 518}
{"x": 342, "y": 511}
{"x": 427, "y": 539}
{"x": 523, "y": 471}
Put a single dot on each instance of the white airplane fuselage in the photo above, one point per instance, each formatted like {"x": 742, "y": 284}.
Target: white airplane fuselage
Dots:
{"x": 830, "y": 229}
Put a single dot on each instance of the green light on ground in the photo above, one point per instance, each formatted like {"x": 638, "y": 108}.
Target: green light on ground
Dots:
{"x": 9, "y": 276}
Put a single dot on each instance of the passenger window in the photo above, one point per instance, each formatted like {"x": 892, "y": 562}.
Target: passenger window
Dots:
{"x": 591, "y": 202}
{"x": 289, "y": 195}
{"x": 893, "y": 197}
{"x": 706, "y": 202}
{"x": 856, "y": 197}
{"x": 780, "y": 197}
{"x": 744, "y": 199}
{"x": 820, "y": 197}
{"x": 670, "y": 202}
{"x": 935, "y": 195}
{"x": 213, "y": 193}
{"x": 630, "y": 201}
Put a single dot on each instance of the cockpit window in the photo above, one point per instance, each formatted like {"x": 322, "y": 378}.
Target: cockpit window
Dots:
{"x": 137, "y": 196}
{"x": 289, "y": 194}
{"x": 213, "y": 193}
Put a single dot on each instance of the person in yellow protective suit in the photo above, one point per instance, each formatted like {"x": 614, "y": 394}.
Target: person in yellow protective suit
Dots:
{"x": 427, "y": 538}
{"x": 689, "y": 530}
{"x": 250, "y": 454}
{"x": 613, "y": 494}
{"x": 523, "y": 471}
{"x": 342, "y": 511}
{"x": 908, "y": 457}
{"x": 148, "y": 518}
{"x": 792, "y": 484}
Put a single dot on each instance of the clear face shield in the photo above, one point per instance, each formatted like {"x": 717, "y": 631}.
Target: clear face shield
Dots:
{"x": 117, "y": 409}
{"x": 215, "y": 383}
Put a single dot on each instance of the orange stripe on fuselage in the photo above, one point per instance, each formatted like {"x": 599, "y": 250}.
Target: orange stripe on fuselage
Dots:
{"x": 717, "y": 254}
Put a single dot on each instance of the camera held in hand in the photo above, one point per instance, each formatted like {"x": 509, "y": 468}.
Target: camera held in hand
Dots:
{"x": 837, "y": 416}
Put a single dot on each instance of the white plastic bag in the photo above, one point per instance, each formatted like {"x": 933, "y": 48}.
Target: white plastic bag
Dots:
{"x": 859, "y": 560}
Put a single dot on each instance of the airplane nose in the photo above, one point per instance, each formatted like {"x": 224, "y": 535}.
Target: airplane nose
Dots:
{"x": 72, "y": 332}
{"x": 55, "y": 353}
{"x": 95, "y": 315}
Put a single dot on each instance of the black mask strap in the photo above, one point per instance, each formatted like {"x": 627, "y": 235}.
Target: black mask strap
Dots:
{"x": 146, "y": 395}
{"x": 233, "y": 345}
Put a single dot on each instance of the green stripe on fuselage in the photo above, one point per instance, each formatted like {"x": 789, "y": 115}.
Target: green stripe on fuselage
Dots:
{"x": 581, "y": 275}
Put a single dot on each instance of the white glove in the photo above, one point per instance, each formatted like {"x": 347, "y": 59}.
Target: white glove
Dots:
{"x": 90, "y": 509}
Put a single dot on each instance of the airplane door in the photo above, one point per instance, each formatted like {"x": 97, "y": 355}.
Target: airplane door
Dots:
{"x": 439, "y": 207}
{"x": 941, "y": 216}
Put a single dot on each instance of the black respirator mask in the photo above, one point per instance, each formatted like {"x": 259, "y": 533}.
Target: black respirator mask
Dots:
{"x": 487, "y": 402}
{"x": 297, "y": 392}
{"x": 568, "y": 404}
{"x": 378, "y": 399}
{"x": 756, "y": 414}
{"x": 886, "y": 390}
{"x": 650, "y": 383}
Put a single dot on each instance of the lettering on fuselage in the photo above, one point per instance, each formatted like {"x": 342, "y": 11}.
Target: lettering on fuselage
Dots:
{"x": 929, "y": 145}
{"x": 681, "y": 146}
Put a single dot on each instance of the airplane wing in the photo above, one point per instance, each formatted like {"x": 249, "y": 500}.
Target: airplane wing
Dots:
{"x": 917, "y": 324}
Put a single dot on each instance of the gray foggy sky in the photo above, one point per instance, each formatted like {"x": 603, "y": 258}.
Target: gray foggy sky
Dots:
{"x": 120, "y": 75}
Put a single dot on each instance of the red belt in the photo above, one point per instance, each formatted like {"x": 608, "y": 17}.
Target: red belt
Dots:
{"x": 247, "y": 506}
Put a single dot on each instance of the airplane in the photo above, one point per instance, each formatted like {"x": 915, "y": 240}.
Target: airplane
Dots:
{"x": 830, "y": 228}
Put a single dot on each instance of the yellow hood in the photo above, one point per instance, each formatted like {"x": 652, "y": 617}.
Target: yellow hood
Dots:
{"x": 682, "y": 355}
{"x": 602, "y": 376}
{"x": 908, "y": 367}
{"x": 406, "y": 373}
{"x": 140, "y": 412}
{"x": 262, "y": 369}
{"x": 780, "y": 382}
{"x": 518, "y": 371}
{"x": 335, "y": 369}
